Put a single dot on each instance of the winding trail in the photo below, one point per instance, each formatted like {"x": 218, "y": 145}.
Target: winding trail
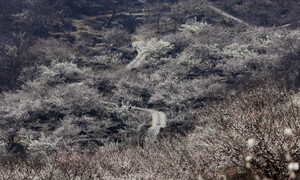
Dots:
{"x": 159, "y": 118}
{"x": 225, "y": 14}
{"x": 140, "y": 57}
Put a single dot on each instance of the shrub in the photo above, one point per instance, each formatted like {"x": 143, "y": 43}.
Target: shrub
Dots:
{"x": 46, "y": 50}
{"x": 116, "y": 37}
{"x": 59, "y": 73}
{"x": 260, "y": 116}
{"x": 133, "y": 90}
{"x": 193, "y": 26}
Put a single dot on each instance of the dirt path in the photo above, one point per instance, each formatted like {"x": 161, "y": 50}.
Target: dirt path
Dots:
{"x": 225, "y": 14}
{"x": 140, "y": 57}
{"x": 159, "y": 120}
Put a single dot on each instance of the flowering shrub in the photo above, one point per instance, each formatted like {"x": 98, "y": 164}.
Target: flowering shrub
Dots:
{"x": 194, "y": 26}
{"x": 157, "y": 47}
{"x": 198, "y": 54}
{"x": 254, "y": 124}
{"x": 116, "y": 37}
{"x": 255, "y": 132}
{"x": 47, "y": 50}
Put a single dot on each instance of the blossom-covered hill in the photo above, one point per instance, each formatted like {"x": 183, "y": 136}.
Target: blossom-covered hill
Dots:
{"x": 85, "y": 83}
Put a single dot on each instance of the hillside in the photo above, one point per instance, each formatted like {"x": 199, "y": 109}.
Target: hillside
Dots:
{"x": 140, "y": 89}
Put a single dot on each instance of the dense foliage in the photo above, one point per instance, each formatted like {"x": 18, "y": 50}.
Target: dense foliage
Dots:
{"x": 226, "y": 76}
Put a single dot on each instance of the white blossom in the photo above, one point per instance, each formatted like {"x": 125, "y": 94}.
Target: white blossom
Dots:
{"x": 248, "y": 158}
{"x": 248, "y": 165}
{"x": 293, "y": 166}
{"x": 251, "y": 142}
{"x": 288, "y": 132}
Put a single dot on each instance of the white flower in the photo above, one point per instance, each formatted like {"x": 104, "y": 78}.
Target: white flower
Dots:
{"x": 288, "y": 131}
{"x": 251, "y": 142}
{"x": 293, "y": 166}
{"x": 248, "y": 165}
{"x": 248, "y": 158}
